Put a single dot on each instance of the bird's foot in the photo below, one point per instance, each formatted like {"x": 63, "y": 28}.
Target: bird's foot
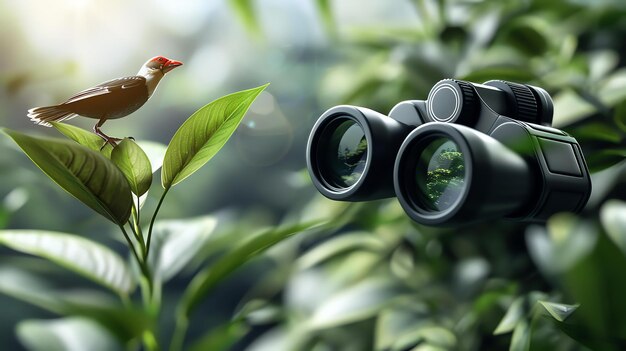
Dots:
{"x": 111, "y": 141}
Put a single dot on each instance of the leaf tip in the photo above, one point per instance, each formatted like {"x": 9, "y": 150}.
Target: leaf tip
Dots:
{"x": 6, "y": 130}
{"x": 260, "y": 88}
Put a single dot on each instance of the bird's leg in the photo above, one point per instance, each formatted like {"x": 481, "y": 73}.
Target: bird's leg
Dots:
{"x": 107, "y": 139}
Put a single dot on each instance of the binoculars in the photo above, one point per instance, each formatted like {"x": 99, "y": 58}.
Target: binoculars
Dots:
{"x": 470, "y": 152}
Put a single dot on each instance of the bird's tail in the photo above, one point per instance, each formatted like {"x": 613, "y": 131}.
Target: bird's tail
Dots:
{"x": 44, "y": 115}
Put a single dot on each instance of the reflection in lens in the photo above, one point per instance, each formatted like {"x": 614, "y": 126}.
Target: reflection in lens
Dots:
{"x": 343, "y": 153}
{"x": 440, "y": 174}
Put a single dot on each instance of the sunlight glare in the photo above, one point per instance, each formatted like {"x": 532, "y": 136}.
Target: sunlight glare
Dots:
{"x": 79, "y": 5}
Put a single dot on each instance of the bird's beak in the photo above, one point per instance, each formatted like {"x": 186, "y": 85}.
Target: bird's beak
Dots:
{"x": 170, "y": 65}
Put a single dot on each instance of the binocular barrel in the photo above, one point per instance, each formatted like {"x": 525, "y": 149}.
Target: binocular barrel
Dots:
{"x": 469, "y": 152}
{"x": 452, "y": 174}
{"x": 351, "y": 151}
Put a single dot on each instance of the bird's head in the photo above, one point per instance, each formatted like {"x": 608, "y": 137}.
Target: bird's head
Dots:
{"x": 162, "y": 64}
{"x": 155, "y": 69}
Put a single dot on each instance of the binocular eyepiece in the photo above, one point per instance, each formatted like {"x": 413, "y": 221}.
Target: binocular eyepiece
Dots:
{"x": 470, "y": 152}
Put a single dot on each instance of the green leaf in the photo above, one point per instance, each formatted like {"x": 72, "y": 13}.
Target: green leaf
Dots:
{"x": 203, "y": 135}
{"x": 26, "y": 287}
{"x": 426, "y": 335}
{"x": 326, "y": 12}
{"x": 85, "y": 174}
{"x": 134, "y": 164}
{"x": 602, "y": 63}
{"x": 126, "y": 322}
{"x": 603, "y": 159}
{"x": 567, "y": 241}
{"x": 597, "y": 131}
{"x": 221, "y": 337}
{"x": 513, "y": 316}
{"x": 404, "y": 325}
{"x": 11, "y": 203}
{"x": 281, "y": 338}
{"x": 340, "y": 245}
{"x": 360, "y": 301}
{"x": 528, "y": 34}
{"x": 65, "y": 334}
{"x": 244, "y": 9}
{"x": 402, "y": 318}
{"x": 256, "y": 312}
{"x": 586, "y": 337}
{"x": 613, "y": 218}
{"x": 611, "y": 91}
{"x": 521, "y": 337}
{"x": 85, "y": 257}
{"x": 569, "y": 108}
{"x": 210, "y": 276}
{"x": 598, "y": 274}
{"x": 176, "y": 242}
{"x": 155, "y": 152}
{"x": 558, "y": 311}
{"x": 15, "y": 199}
{"x": 83, "y": 137}
{"x": 402, "y": 262}
{"x": 619, "y": 116}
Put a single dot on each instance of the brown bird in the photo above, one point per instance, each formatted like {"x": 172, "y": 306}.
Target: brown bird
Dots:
{"x": 112, "y": 99}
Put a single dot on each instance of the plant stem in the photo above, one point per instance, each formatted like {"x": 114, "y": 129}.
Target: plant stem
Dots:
{"x": 137, "y": 209}
{"x": 131, "y": 246}
{"x": 147, "y": 284}
{"x": 156, "y": 211}
{"x": 147, "y": 287}
{"x": 143, "y": 264}
{"x": 136, "y": 227}
{"x": 138, "y": 224}
{"x": 178, "y": 339}
{"x": 136, "y": 232}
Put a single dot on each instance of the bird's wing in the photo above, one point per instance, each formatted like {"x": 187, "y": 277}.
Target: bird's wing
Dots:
{"x": 109, "y": 87}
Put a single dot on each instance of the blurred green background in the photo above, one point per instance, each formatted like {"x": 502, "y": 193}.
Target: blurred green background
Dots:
{"x": 372, "y": 280}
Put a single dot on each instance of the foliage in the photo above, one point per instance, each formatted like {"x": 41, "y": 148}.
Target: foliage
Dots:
{"x": 107, "y": 180}
{"x": 382, "y": 283}
{"x": 449, "y": 174}
{"x": 84, "y": 174}
{"x": 356, "y": 276}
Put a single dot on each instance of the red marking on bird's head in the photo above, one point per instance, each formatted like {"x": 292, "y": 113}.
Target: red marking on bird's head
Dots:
{"x": 159, "y": 59}
{"x": 164, "y": 63}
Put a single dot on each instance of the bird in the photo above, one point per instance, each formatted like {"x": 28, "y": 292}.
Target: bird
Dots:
{"x": 112, "y": 99}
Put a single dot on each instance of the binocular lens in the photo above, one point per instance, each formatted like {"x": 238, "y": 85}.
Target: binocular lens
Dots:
{"x": 440, "y": 174}
{"x": 342, "y": 152}
{"x": 348, "y": 153}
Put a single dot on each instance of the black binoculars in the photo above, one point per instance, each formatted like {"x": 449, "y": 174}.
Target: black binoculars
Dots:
{"x": 470, "y": 152}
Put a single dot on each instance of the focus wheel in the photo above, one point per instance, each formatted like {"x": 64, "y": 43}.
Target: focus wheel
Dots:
{"x": 453, "y": 101}
{"x": 526, "y": 107}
